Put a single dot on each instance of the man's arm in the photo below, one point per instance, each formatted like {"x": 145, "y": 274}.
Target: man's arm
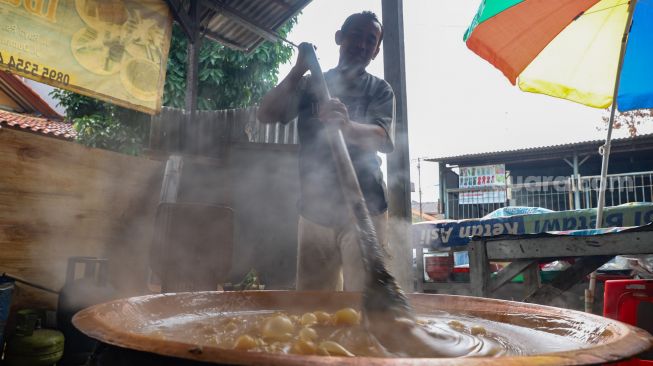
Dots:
{"x": 280, "y": 104}
{"x": 364, "y": 135}
{"x": 375, "y": 136}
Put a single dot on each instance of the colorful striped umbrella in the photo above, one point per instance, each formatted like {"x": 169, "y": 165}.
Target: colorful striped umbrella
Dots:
{"x": 569, "y": 48}
{"x": 595, "y": 52}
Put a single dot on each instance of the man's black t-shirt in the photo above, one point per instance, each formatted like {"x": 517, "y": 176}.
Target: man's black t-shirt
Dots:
{"x": 369, "y": 100}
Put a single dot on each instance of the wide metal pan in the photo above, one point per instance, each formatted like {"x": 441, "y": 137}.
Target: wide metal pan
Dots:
{"x": 122, "y": 323}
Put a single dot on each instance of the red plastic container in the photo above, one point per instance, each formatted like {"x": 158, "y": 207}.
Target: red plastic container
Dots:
{"x": 631, "y": 301}
{"x": 438, "y": 265}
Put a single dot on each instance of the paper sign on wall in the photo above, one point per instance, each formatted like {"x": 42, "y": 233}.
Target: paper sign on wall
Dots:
{"x": 486, "y": 183}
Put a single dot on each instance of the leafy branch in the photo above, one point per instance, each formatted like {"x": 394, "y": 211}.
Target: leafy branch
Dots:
{"x": 630, "y": 120}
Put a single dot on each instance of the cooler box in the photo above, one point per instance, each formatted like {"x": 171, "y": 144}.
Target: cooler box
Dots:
{"x": 631, "y": 301}
{"x": 6, "y": 290}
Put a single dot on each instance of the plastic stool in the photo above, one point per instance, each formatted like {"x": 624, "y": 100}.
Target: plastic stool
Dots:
{"x": 631, "y": 301}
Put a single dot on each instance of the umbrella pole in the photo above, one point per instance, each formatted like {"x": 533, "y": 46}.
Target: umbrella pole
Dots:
{"x": 605, "y": 152}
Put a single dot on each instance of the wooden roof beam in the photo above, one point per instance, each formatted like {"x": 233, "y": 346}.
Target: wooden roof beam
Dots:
{"x": 184, "y": 21}
{"x": 227, "y": 42}
{"x": 281, "y": 3}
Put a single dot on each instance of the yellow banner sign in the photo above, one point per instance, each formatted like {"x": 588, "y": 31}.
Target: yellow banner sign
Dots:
{"x": 114, "y": 50}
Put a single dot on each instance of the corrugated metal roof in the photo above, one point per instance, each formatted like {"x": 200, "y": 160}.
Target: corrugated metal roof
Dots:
{"x": 230, "y": 21}
{"x": 560, "y": 148}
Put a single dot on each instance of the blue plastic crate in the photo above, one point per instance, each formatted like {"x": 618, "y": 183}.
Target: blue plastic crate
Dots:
{"x": 6, "y": 291}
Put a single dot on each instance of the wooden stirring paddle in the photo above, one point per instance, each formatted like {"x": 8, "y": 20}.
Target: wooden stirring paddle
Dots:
{"x": 387, "y": 313}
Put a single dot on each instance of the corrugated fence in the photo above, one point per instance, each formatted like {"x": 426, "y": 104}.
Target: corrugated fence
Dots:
{"x": 211, "y": 132}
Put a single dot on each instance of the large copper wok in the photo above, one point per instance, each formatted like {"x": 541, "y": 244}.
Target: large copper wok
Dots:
{"x": 121, "y": 323}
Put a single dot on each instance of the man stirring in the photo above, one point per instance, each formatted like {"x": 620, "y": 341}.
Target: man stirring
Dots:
{"x": 363, "y": 107}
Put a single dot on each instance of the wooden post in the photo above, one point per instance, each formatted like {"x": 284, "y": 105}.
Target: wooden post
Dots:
{"x": 565, "y": 280}
{"x": 532, "y": 281}
{"x": 398, "y": 161}
{"x": 444, "y": 199}
{"x": 169, "y": 194}
{"x": 419, "y": 270}
{"x": 575, "y": 185}
{"x": 508, "y": 273}
{"x": 171, "y": 179}
{"x": 192, "y": 79}
{"x": 479, "y": 269}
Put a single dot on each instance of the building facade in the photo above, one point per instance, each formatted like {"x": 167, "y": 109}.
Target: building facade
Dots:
{"x": 559, "y": 177}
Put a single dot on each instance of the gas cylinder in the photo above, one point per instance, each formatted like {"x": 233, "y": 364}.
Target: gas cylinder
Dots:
{"x": 81, "y": 291}
{"x": 31, "y": 346}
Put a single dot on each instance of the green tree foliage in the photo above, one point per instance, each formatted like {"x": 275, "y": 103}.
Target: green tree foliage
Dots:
{"x": 227, "y": 79}
{"x": 104, "y": 125}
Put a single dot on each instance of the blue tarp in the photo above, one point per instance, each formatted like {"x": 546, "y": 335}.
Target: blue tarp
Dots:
{"x": 439, "y": 235}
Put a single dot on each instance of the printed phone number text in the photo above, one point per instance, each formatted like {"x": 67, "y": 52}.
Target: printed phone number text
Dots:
{"x": 34, "y": 69}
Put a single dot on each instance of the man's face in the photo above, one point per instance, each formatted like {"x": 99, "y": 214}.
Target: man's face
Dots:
{"x": 359, "y": 44}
